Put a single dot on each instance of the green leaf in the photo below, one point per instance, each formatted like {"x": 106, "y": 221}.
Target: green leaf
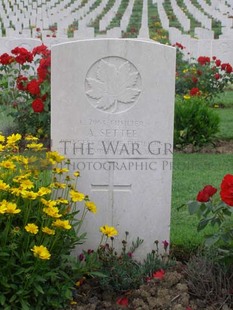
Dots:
{"x": 24, "y": 304}
{"x": 202, "y": 224}
{"x": 2, "y": 299}
{"x": 211, "y": 240}
{"x": 193, "y": 207}
{"x": 39, "y": 288}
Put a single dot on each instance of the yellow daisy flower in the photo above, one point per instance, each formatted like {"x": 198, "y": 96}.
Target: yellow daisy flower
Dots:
{"x": 11, "y": 140}
{"x": 29, "y": 194}
{"x": 41, "y": 252}
{"x": 91, "y": 206}
{"x": 31, "y": 228}
{"x": 108, "y": 231}
{"x": 43, "y": 191}
{"x": 52, "y": 211}
{"x": 62, "y": 224}
{"x": 12, "y": 208}
{"x": 76, "y": 196}
{"x": 8, "y": 164}
{"x": 48, "y": 231}
{"x": 4, "y": 186}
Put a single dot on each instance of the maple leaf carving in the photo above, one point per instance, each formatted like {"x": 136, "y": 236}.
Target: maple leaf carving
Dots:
{"x": 113, "y": 85}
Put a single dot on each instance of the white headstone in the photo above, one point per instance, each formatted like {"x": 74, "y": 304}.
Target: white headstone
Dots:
{"x": 112, "y": 115}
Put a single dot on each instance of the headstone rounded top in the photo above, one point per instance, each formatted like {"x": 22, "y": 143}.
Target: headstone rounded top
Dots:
{"x": 113, "y": 84}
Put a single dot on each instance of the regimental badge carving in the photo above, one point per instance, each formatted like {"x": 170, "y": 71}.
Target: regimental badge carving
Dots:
{"x": 113, "y": 85}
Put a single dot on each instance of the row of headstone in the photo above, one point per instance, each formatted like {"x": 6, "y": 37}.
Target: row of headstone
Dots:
{"x": 108, "y": 17}
{"x": 181, "y": 16}
{"x": 93, "y": 14}
{"x": 221, "y": 48}
{"x": 198, "y": 15}
{"x": 216, "y": 13}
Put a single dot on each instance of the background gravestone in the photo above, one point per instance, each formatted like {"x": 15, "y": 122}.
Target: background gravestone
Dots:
{"x": 112, "y": 115}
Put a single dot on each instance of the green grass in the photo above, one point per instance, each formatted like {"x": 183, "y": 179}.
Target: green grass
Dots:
{"x": 225, "y": 99}
{"x": 226, "y": 123}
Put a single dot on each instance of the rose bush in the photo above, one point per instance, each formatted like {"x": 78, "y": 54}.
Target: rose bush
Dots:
{"x": 205, "y": 76}
{"x": 25, "y": 87}
{"x": 217, "y": 213}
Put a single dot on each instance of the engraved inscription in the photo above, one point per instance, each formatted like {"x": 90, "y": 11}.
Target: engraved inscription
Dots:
{"x": 113, "y": 85}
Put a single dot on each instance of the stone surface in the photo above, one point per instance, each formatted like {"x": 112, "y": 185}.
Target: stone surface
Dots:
{"x": 112, "y": 115}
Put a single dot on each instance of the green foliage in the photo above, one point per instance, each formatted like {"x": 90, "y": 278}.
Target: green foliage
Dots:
{"x": 41, "y": 214}
{"x": 122, "y": 272}
{"x": 195, "y": 123}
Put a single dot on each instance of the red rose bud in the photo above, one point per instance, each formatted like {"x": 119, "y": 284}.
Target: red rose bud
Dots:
{"x": 165, "y": 244}
{"x": 217, "y": 76}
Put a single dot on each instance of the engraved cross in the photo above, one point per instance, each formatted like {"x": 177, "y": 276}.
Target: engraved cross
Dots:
{"x": 111, "y": 188}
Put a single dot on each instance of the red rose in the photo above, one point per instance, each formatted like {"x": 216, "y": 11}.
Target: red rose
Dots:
{"x": 22, "y": 55}
{"x": 38, "y": 105}
{"x": 6, "y": 59}
{"x": 227, "y": 67}
{"x": 203, "y": 60}
{"x": 41, "y": 50}
{"x": 205, "y": 194}
{"x": 217, "y": 76}
{"x": 218, "y": 62}
{"x": 210, "y": 190}
{"x": 33, "y": 87}
{"x": 226, "y": 192}
{"x": 194, "y": 91}
{"x": 202, "y": 196}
